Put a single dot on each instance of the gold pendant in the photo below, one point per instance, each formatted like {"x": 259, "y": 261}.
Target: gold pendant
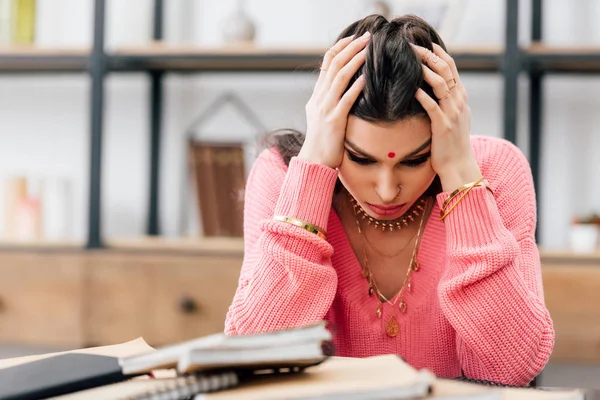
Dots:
{"x": 392, "y": 327}
{"x": 402, "y": 306}
{"x": 415, "y": 265}
{"x": 379, "y": 310}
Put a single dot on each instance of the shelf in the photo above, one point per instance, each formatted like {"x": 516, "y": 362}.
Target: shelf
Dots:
{"x": 214, "y": 245}
{"x": 566, "y": 256}
{"x": 41, "y": 245}
{"x": 172, "y": 58}
{"x": 247, "y": 58}
{"x": 215, "y": 59}
{"x": 477, "y": 59}
{"x": 20, "y": 59}
{"x": 562, "y": 59}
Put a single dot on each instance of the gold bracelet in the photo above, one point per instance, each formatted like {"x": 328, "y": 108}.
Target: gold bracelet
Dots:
{"x": 465, "y": 187}
{"x": 302, "y": 224}
{"x": 443, "y": 211}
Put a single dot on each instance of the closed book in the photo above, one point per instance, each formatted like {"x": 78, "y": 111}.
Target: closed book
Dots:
{"x": 23, "y": 13}
{"x": 58, "y": 375}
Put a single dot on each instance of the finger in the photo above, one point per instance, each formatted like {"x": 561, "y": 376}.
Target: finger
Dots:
{"x": 430, "y": 105}
{"x": 349, "y": 98}
{"x": 344, "y": 57}
{"x": 342, "y": 79}
{"x": 330, "y": 54}
{"x": 438, "y": 84}
{"x": 450, "y": 61}
{"x": 435, "y": 62}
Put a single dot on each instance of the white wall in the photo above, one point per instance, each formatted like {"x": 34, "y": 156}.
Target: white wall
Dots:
{"x": 45, "y": 125}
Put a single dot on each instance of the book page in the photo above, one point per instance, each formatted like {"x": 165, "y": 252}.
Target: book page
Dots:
{"x": 133, "y": 347}
{"x": 337, "y": 375}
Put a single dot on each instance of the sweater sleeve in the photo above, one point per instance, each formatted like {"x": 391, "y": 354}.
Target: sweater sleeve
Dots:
{"x": 286, "y": 279}
{"x": 491, "y": 290}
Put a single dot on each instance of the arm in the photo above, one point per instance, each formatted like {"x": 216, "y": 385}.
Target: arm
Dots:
{"x": 491, "y": 291}
{"x": 286, "y": 279}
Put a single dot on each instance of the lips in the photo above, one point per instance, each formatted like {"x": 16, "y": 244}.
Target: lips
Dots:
{"x": 384, "y": 210}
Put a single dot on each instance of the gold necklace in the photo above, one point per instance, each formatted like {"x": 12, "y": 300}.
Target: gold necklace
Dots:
{"x": 381, "y": 253}
{"x": 390, "y": 226}
{"x": 392, "y": 326}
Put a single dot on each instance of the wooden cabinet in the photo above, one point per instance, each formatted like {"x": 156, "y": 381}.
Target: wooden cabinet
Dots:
{"x": 166, "y": 295}
{"x": 192, "y": 296}
{"x": 119, "y": 290}
{"x": 572, "y": 294}
{"x": 41, "y": 299}
{"x": 78, "y": 298}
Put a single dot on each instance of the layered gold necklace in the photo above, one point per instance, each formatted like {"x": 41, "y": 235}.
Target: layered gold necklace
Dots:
{"x": 392, "y": 327}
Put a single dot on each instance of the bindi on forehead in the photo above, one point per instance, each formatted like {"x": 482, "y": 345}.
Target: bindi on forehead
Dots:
{"x": 391, "y": 154}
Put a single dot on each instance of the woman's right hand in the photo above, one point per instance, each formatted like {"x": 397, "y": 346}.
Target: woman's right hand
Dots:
{"x": 328, "y": 108}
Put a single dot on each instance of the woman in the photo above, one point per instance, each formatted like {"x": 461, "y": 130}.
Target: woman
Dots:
{"x": 394, "y": 224}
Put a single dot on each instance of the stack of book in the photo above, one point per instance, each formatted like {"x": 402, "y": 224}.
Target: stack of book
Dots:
{"x": 291, "y": 364}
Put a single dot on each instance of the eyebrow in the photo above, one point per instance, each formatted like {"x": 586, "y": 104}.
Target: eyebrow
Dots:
{"x": 363, "y": 153}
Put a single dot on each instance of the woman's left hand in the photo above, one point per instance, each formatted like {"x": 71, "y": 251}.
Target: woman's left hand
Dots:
{"x": 451, "y": 155}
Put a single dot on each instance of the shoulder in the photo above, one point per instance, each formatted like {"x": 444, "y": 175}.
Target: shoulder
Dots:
{"x": 267, "y": 172}
{"x": 269, "y": 158}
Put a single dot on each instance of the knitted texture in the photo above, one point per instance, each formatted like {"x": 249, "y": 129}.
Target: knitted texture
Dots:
{"x": 477, "y": 304}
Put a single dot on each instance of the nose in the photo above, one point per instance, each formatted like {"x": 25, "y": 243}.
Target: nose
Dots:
{"x": 387, "y": 187}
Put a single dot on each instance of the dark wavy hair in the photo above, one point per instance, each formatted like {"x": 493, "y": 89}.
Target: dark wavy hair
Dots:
{"x": 392, "y": 71}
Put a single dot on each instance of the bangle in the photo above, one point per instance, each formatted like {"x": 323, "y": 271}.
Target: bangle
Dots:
{"x": 478, "y": 182}
{"x": 302, "y": 224}
{"x": 445, "y": 213}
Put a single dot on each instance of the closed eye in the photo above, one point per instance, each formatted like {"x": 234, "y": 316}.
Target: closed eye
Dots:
{"x": 415, "y": 162}
{"x": 359, "y": 160}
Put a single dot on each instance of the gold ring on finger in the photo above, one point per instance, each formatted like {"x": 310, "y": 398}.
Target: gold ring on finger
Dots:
{"x": 427, "y": 56}
{"x": 324, "y": 69}
{"x": 453, "y": 82}
{"x": 332, "y": 53}
{"x": 448, "y": 94}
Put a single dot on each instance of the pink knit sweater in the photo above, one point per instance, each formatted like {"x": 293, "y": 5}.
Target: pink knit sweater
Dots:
{"x": 478, "y": 305}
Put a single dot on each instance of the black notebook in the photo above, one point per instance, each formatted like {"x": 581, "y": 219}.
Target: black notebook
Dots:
{"x": 58, "y": 375}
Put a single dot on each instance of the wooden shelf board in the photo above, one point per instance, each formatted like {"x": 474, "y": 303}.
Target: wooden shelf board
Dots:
{"x": 40, "y": 245}
{"x": 567, "y": 256}
{"x": 159, "y": 56}
{"x": 43, "y": 59}
{"x": 212, "y": 245}
{"x": 550, "y": 58}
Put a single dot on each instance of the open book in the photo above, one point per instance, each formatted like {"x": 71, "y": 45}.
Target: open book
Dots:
{"x": 294, "y": 348}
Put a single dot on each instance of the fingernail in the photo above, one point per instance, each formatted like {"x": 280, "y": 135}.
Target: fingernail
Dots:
{"x": 366, "y": 35}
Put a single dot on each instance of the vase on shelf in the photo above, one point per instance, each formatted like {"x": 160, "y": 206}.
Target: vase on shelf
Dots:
{"x": 238, "y": 28}
{"x": 584, "y": 234}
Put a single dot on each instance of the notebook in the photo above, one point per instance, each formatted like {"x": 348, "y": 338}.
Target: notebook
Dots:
{"x": 51, "y": 374}
{"x": 58, "y": 375}
{"x": 298, "y": 348}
